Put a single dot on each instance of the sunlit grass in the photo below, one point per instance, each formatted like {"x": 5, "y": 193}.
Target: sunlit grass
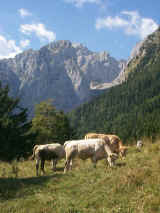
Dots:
{"x": 133, "y": 186}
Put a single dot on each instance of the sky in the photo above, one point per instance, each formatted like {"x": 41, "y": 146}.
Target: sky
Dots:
{"x": 114, "y": 26}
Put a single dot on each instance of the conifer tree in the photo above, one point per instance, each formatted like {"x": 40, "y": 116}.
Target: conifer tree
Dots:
{"x": 15, "y": 139}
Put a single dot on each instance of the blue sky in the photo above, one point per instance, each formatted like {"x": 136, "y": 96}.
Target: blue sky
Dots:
{"x": 114, "y": 26}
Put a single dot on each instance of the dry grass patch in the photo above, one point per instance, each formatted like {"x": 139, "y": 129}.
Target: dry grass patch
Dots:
{"x": 130, "y": 187}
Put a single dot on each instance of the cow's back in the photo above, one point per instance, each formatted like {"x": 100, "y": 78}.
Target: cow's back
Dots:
{"x": 85, "y": 149}
{"x": 93, "y": 135}
{"x": 50, "y": 151}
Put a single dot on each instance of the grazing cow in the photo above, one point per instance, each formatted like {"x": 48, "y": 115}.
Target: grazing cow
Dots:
{"x": 139, "y": 145}
{"x": 115, "y": 142}
{"x": 54, "y": 152}
{"x": 95, "y": 149}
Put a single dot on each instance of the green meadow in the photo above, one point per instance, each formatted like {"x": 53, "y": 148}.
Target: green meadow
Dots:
{"x": 132, "y": 186}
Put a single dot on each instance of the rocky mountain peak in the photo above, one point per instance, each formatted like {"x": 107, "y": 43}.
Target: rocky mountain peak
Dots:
{"x": 61, "y": 70}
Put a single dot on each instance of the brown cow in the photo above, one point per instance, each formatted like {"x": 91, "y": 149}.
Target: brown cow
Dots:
{"x": 115, "y": 142}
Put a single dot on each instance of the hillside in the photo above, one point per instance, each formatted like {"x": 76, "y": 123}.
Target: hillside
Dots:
{"x": 132, "y": 109}
{"x": 131, "y": 186}
{"x": 62, "y": 71}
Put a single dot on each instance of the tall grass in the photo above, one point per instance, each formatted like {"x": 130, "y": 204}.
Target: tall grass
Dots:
{"x": 132, "y": 186}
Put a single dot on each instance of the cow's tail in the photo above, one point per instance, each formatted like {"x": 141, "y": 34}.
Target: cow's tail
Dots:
{"x": 33, "y": 155}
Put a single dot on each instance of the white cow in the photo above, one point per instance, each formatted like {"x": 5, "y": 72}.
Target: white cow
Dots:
{"x": 54, "y": 152}
{"x": 95, "y": 149}
{"x": 139, "y": 145}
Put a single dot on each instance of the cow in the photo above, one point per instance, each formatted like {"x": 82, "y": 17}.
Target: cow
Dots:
{"x": 95, "y": 149}
{"x": 116, "y": 144}
{"x": 54, "y": 152}
{"x": 139, "y": 145}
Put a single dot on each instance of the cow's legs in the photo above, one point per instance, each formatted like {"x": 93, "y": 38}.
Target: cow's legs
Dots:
{"x": 94, "y": 161}
{"x": 67, "y": 165}
{"x": 42, "y": 166}
{"x": 37, "y": 166}
{"x": 54, "y": 163}
{"x": 71, "y": 164}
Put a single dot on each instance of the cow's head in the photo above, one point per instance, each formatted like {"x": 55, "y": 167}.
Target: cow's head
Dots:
{"x": 139, "y": 144}
{"x": 111, "y": 159}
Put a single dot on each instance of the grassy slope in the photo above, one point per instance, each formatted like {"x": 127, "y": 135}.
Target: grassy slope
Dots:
{"x": 133, "y": 186}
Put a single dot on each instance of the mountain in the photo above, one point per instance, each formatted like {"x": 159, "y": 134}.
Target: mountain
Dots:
{"x": 66, "y": 72}
{"x": 132, "y": 108}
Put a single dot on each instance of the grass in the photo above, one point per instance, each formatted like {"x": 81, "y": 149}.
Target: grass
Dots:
{"x": 133, "y": 186}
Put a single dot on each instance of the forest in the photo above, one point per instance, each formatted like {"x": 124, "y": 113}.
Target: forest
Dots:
{"x": 131, "y": 109}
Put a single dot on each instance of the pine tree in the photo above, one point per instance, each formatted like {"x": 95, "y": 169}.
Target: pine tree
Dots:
{"x": 15, "y": 139}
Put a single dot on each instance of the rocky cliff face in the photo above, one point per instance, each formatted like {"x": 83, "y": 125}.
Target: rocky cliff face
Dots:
{"x": 144, "y": 53}
{"x": 64, "y": 71}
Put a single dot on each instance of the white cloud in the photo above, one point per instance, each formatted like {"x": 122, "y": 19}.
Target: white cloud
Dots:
{"x": 110, "y": 22}
{"x": 132, "y": 24}
{"x": 79, "y": 3}
{"x": 148, "y": 26}
{"x": 8, "y": 48}
{"x": 40, "y": 30}
{"x": 23, "y": 12}
{"x": 24, "y": 43}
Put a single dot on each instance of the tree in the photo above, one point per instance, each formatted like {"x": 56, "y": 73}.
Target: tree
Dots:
{"x": 15, "y": 139}
{"x": 49, "y": 124}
